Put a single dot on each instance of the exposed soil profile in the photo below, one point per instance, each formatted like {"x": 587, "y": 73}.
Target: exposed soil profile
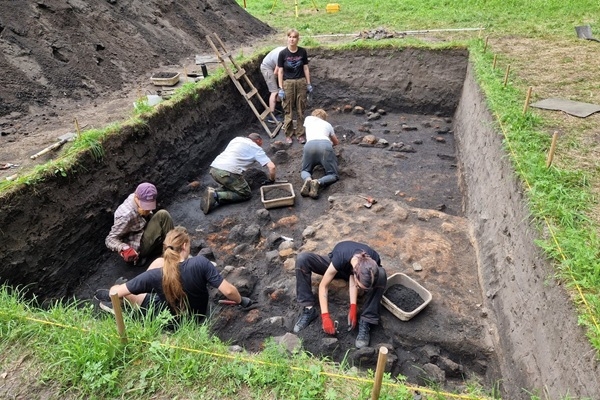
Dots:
{"x": 447, "y": 200}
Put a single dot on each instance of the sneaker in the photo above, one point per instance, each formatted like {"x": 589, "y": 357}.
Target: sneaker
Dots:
{"x": 107, "y": 306}
{"x": 120, "y": 281}
{"x": 289, "y": 140}
{"x": 306, "y": 187}
{"x": 274, "y": 121}
{"x": 308, "y": 316}
{"x": 102, "y": 295}
{"x": 314, "y": 189}
{"x": 364, "y": 337}
{"x": 209, "y": 200}
{"x": 302, "y": 139}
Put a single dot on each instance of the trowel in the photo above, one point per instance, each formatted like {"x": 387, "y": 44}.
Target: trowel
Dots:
{"x": 62, "y": 139}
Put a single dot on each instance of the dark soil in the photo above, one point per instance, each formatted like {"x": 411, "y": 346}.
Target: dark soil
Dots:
{"x": 494, "y": 316}
{"x": 404, "y": 298}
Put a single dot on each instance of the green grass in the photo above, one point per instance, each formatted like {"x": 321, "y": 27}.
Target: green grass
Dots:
{"x": 529, "y": 18}
{"x": 79, "y": 353}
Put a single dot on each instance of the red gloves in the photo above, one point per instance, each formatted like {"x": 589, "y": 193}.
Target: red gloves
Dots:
{"x": 328, "y": 326}
{"x": 352, "y": 321}
{"x": 129, "y": 254}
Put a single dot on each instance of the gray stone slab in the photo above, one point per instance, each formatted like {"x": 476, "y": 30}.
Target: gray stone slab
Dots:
{"x": 575, "y": 108}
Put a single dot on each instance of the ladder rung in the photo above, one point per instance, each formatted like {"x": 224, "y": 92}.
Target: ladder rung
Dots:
{"x": 251, "y": 93}
{"x": 240, "y": 73}
{"x": 265, "y": 113}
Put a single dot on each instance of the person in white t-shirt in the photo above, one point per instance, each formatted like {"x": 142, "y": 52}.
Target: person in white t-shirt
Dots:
{"x": 318, "y": 150}
{"x": 228, "y": 167}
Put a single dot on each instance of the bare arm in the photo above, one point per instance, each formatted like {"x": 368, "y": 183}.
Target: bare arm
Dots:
{"x": 324, "y": 288}
{"x": 272, "y": 170}
{"x": 120, "y": 290}
{"x": 280, "y": 77}
{"x": 230, "y": 291}
{"x": 307, "y": 74}
{"x": 352, "y": 290}
{"x": 334, "y": 140}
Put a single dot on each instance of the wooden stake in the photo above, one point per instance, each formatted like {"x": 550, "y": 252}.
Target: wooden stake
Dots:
{"x": 381, "y": 361}
{"x": 77, "y": 127}
{"x": 494, "y": 63}
{"x": 506, "y": 75}
{"x": 527, "y": 98}
{"x": 486, "y": 43}
{"x": 552, "y": 149}
{"x": 116, "y": 303}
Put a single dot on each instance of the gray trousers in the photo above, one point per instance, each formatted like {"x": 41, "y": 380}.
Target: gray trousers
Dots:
{"x": 319, "y": 152}
{"x": 307, "y": 263}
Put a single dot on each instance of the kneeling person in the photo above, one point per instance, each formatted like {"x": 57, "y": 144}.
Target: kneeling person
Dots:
{"x": 227, "y": 170}
{"x": 318, "y": 150}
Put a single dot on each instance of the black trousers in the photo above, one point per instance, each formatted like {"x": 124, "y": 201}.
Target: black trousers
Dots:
{"x": 307, "y": 263}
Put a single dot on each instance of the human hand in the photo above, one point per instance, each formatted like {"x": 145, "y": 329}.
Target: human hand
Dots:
{"x": 246, "y": 302}
{"x": 129, "y": 254}
{"x": 352, "y": 320}
{"x": 281, "y": 94}
{"x": 328, "y": 326}
{"x": 309, "y": 88}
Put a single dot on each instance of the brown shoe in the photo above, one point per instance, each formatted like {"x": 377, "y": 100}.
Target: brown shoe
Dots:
{"x": 306, "y": 187}
{"x": 289, "y": 140}
{"x": 314, "y": 189}
{"x": 302, "y": 139}
{"x": 208, "y": 201}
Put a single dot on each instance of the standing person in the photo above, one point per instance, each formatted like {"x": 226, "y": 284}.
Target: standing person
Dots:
{"x": 270, "y": 73}
{"x": 137, "y": 232}
{"x": 320, "y": 139}
{"x": 294, "y": 82}
{"x": 175, "y": 282}
{"x": 354, "y": 262}
{"x": 227, "y": 170}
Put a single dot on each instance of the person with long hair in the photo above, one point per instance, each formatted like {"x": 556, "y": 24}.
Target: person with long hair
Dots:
{"x": 175, "y": 281}
{"x": 354, "y": 262}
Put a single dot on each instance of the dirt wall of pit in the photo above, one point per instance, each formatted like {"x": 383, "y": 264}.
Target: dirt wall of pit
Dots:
{"x": 542, "y": 349}
{"x": 53, "y": 232}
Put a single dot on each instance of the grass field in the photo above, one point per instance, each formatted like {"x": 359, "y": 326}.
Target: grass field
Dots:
{"x": 70, "y": 353}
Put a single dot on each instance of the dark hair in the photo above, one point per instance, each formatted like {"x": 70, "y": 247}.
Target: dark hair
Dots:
{"x": 254, "y": 136}
{"x": 366, "y": 270}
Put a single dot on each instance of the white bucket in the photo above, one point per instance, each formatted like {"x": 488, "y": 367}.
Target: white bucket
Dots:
{"x": 154, "y": 99}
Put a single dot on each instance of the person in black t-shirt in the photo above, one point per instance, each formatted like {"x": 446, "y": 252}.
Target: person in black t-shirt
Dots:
{"x": 354, "y": 262}
{"x": 294, "y": 82}
{"x": 176, "y": 281}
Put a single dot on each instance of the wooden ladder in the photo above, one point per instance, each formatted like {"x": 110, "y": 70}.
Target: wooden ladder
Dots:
{"x": 240, "y": 75}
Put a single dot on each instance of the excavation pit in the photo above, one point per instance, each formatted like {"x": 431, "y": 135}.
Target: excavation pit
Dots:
{"x": 446, "y": 195}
